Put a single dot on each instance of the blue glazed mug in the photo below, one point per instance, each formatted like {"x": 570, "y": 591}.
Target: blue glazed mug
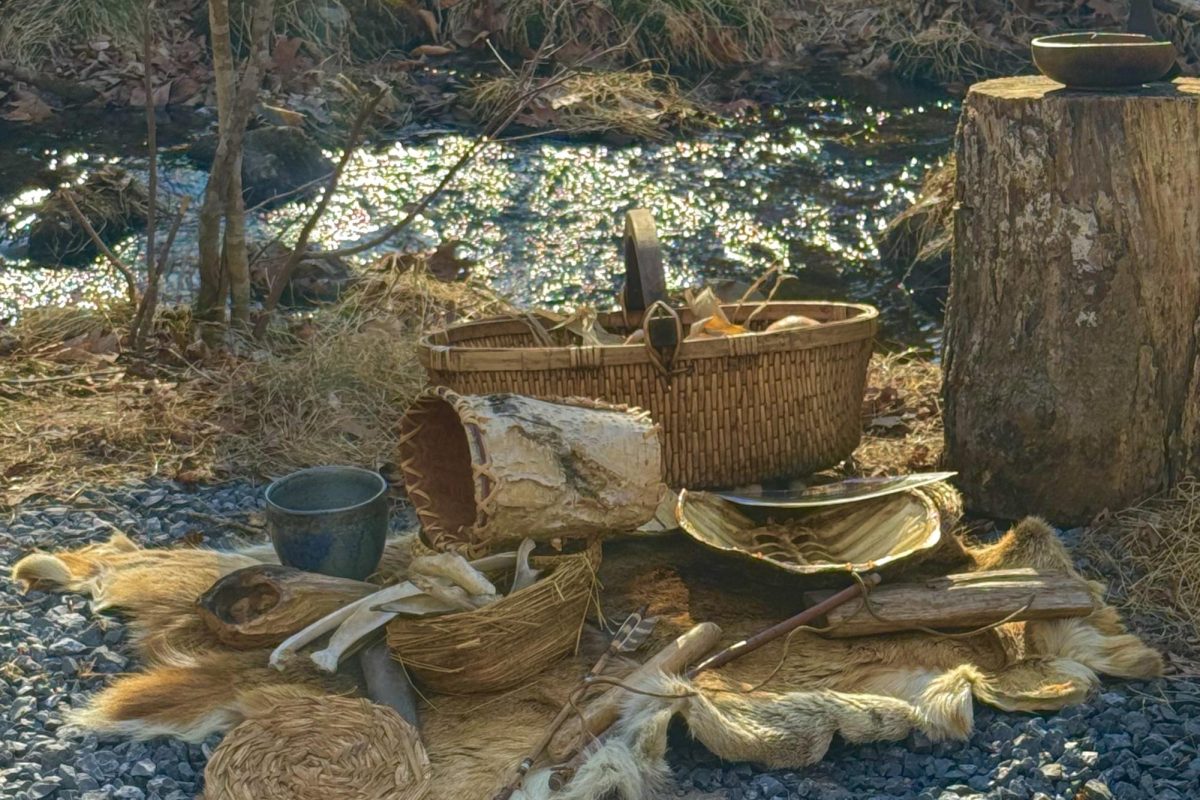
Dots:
{"x": 331, "y": 520}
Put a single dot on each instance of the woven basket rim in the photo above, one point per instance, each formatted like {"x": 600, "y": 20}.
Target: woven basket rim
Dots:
{"x": 930, "y": 519}
{"x": 862, "y": 325}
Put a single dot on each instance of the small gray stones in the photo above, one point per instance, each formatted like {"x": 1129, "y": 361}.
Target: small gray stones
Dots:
{"x": 1129, "y": 742}
{"x": 1095, "y": 790}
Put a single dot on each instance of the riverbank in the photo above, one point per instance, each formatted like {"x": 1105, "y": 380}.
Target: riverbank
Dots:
{"x": 436, "y": 55}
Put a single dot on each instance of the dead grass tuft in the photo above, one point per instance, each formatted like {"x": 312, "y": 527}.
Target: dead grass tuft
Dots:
{"x": 74, "y": 416}
{"x": 637, "y": 104}
{"x": 681, "y": 33}
{"x": 329, "y": 388}
{"x": 902, "y": 416}
{"x": 1151, "y": 555}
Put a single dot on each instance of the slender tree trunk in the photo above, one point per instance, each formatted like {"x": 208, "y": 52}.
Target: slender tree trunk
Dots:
{"x": 237, "y": 265}
{"x": 144, "y": 318}
{"x": 210, "y": 300}
{"x": 222, "y": 194}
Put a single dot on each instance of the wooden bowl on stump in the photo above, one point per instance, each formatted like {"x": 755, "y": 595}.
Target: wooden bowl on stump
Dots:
{"x": 1102, "y": 60}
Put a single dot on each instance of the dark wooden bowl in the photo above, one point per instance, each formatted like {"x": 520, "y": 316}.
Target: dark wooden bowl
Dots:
{"x": 1102, "y": 60}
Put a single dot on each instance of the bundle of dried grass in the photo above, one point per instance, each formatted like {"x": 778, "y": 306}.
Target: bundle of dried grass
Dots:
{"x": 74, "y": 415}
{"x": 329, "y": 388}
{"x": 640, "y": 104}
{"x": 1153, "y": 552}
{"x": 505, "y": 643}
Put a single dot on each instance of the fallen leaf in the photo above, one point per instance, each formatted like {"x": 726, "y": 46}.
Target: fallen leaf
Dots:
{"x": 432, "y": 50}
{"x": 284, "y": 57}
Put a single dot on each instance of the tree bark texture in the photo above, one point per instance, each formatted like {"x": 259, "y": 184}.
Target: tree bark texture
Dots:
{"x": 1072, "y": 380}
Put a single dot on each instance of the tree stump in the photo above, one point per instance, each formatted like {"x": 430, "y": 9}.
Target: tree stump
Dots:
{"x": 1071, "y": 375}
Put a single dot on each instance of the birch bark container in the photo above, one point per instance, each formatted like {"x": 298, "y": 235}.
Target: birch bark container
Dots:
{"x": 483, "y": 471}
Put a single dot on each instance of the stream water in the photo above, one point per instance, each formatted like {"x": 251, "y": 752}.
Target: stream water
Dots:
{"x": 806, "y": 185}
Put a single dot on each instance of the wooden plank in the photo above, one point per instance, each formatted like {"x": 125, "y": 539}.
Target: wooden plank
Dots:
{"x": 961, "y": 602}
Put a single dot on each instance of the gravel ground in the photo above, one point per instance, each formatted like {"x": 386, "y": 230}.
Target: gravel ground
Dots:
{"x": 1132, "y": 740}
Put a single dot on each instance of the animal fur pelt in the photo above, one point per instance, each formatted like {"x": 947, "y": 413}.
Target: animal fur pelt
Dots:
{"x": 192, "y": 686}
{"x": 870, "y": 689}
{"x": 860, "y": 689}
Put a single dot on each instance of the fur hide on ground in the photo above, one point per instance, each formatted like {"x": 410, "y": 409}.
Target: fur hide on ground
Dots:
{"x": 876, "y": 688}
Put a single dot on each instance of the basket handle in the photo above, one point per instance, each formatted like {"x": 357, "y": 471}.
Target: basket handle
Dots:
{"x": 662, "y": 335}
{"x": 645, "y": 284}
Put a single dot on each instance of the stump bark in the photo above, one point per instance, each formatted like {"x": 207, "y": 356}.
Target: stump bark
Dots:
{"x": 1072, "y": 381}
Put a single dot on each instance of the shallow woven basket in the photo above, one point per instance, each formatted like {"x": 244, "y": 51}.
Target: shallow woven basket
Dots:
{"x": 319, "y": 748}
{"x": 877, "y": 534}
{"x": 506, "y": 643}
{"x": 733, "y": 410}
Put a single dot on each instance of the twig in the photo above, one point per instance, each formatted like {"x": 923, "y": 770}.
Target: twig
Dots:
{"x": 130, "y": 280}
{"x": 299, "y": 250}
{"x": 58, "y": 378}
{"x": 517, "y": 105}
{"x": 144, "y": 320}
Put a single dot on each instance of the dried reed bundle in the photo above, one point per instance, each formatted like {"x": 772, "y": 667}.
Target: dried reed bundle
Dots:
{"x": 318, "y": 747}
{"x": 507, "y": 642}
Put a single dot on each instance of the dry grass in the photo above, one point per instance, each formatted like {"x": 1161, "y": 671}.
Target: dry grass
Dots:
{"x": 31, "y": 30}
{"x": 679, "y": 33}
{"x": 332, "y": 388}
{"x": 944, "y": 40}
{"x": 34, "y": 30}
{"x": 326, "y": 389}
{"x": 1151, "y": 555}
{"x": 902, "y": 416}
{"x": 73, "y": 417}
{"x": 637, "y": 104}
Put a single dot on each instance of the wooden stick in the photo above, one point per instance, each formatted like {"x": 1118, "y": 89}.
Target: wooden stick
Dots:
{"x": 563, "y": 774}
{"x": 604, "y": 710}
{"x": 614, "y": 647}
{"x": 300, "y": 249}
{"x": 958, "y": 602}
{"x": 152, "y": 179}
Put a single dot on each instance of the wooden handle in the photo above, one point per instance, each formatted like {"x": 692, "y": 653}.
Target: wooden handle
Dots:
{"x": 645, "y": 283}
{"x": 602, "y": 712}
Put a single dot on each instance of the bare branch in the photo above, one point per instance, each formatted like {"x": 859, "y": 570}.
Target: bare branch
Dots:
{"x": 298, "y": 252}
{"x": 152, "y": 181}
{"x": 130, "y": 280}
{"x": 516, "y": 106}
{"x": 143, "y": 322}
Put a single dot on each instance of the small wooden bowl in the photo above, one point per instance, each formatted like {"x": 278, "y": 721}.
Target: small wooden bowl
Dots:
{"x": 1102, "y": 60}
